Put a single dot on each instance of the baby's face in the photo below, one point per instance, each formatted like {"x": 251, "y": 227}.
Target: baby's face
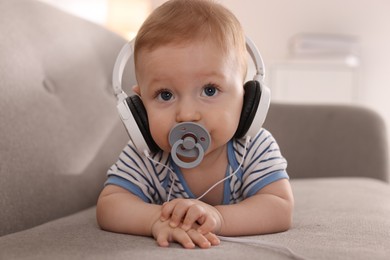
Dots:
{"x": 195, "y": 82}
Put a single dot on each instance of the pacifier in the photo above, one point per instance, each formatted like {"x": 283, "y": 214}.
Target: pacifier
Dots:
{"x": 189, "y": 140}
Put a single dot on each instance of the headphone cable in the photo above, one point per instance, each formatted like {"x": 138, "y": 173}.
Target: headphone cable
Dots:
{"x": 146, "y": 153}
{"x": 272, "y": 246}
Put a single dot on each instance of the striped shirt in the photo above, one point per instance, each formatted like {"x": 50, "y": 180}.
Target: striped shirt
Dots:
{"x": 263, "y": 164}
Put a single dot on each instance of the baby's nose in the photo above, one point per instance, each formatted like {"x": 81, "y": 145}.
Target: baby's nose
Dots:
{"x": 187, "y": 111}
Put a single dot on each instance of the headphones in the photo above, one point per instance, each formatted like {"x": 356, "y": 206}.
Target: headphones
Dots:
{"x": 134, "y": 116}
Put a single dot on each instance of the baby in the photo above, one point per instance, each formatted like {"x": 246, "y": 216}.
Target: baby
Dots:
{"x": 190, "y": 64}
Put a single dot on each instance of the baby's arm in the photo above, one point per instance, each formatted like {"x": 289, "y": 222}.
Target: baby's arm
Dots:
{"x": 120, "y": 211}
{"x": 268, "y": 211}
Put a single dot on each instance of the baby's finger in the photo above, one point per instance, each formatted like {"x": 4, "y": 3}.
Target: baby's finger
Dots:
{"x": 213, "y": 238}
{"x": 209, "y": 225}
{"x": 167, "y": 209}
{"x": 199, "y": 239}
{"x": 163, "y": 239}
{"x": 181, "y": 237}
{"x": 195, "y": 214}
{"x": 179, "y": 212}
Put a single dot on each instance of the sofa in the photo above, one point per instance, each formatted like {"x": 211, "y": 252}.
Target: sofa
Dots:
{"x": 60, "y": 132}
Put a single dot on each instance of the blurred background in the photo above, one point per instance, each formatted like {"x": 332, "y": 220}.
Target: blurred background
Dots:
{"x": 315, "y": 51}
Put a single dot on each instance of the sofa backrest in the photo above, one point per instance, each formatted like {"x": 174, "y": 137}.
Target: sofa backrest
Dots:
{"x": 330, "y": 140}
{"x": 59, "y": 129}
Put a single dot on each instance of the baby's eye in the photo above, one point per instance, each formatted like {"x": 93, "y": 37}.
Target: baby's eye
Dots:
{"x": 210, "y": 90}
{"x": 164, "y": 95}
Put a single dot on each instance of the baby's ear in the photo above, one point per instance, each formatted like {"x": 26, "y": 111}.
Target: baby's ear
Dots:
{"x": 137, "y": 90}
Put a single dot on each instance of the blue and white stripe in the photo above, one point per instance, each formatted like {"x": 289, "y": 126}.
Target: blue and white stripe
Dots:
{"x": 263, "y": 164}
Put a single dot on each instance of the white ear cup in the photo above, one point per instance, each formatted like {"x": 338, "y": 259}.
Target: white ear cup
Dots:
{"x": 126, "y": 114}
{"x": 131, "y": 127}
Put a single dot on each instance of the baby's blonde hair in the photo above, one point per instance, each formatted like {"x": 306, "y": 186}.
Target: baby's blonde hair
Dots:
{"x": 185, "y": 21}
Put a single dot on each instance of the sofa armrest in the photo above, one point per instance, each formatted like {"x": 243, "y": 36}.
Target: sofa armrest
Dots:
{"x": 330, "y": 140}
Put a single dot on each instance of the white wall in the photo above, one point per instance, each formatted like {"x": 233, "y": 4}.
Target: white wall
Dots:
{"x": 271, "y": 24}
{"x": 93, "y": 10}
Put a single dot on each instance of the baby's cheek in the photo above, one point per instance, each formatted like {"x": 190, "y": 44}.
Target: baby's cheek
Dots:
{"x": 160, "y": 137}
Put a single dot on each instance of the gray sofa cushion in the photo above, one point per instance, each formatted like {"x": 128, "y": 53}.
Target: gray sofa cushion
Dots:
{"x": 59, "y": 132}
{"x": 339, "y": 218}
{"x": 59, "y": 127}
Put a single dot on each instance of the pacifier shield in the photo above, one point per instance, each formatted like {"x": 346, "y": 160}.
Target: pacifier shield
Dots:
{"x": 189, "y": 140}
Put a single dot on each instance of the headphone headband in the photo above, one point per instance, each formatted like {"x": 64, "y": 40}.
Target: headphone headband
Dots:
{"x": 257, "y": 59}
{"x": 128, "y": 49}
{"x": 123, "y": 57}
{"x": 134, "y": 116}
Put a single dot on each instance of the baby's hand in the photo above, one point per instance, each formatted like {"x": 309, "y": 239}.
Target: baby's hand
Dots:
{"x": 188, "y": 213}
{"x": 164, "y": 234}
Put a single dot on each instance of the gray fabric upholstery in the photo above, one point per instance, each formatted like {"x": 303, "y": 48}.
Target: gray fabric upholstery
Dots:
{"x": 59, "y": 126}
{"x": 59, "y": 132}
{"x": 330, "y": 140}
{"x": 334, "y": 219}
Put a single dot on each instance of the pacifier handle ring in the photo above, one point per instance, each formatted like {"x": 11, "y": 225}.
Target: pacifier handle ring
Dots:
{"x": 185, "y": 164}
